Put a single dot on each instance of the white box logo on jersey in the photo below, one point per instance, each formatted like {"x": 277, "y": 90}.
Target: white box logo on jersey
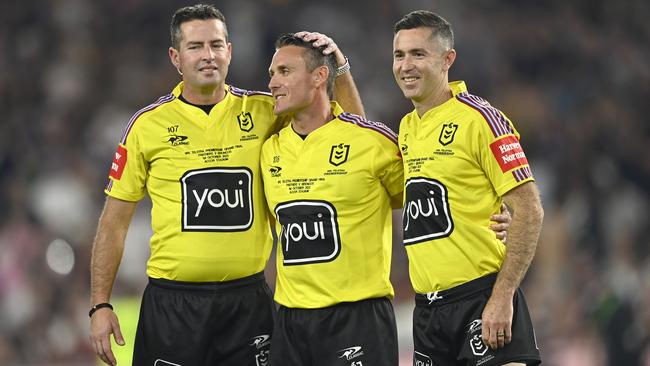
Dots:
{"x": 217, "y": 199}
{"x": 310, "y": 232}
{"x": 426, "y": 214}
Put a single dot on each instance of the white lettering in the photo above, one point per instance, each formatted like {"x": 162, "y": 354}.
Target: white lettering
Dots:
{"x": 199, "y": 201}
{"x": 512, "y": 157}
{"x": 507, "y": 147}
{"x": 414, "y": 209}
{"x": 223, "y": 196}
{"x": 115, "y": 167}
{"x": 294, "y": 232}
{"x": 118, "y": 156}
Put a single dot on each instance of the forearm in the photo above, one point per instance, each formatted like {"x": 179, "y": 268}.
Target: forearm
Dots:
{"x": 108, "y": 248}
{"x": 522, "y": 238}
{"x": 105, "y": 261}
{"x": 346, "y": 93}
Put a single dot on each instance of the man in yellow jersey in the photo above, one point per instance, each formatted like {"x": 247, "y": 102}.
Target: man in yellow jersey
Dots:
{"x": 462, "y": 159}
{"x": 329, "y": 178}
{"x": 196, "y": 153}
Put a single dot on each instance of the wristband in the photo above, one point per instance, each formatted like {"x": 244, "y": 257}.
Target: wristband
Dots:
{"x": 343, "y": 69}
{"x": 99, "y": 306}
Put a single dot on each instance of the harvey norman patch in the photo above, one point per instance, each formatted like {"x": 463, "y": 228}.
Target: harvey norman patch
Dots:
{"x": 119, "y": 162}
{"x": 508, "y": 152}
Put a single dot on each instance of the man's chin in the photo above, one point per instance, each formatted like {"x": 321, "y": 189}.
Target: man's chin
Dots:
{"x": 281, "y": 113}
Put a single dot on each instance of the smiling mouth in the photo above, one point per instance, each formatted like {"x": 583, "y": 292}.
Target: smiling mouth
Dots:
{"x": 410, "y": 79}
{"x": 278, "y": 96}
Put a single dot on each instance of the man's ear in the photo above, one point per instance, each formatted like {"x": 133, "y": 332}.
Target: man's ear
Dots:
{"x": 450, "y": 57}
{"x": 321, "y": 74}
{"x": 174, "y": 57}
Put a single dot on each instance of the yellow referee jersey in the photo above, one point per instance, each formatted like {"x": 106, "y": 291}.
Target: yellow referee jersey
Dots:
{"x": 201, "y": 171}
{"x": 460, "y": 158}
{"x": 331, "y": 197}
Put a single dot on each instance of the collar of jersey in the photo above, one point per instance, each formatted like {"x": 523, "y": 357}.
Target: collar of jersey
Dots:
{"x": 336, "y": 111}
{"x": 457, "y": 87}
{"x": 179, "y": 89}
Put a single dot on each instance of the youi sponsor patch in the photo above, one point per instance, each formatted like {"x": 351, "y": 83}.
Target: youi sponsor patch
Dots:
{"x": 217, "y": 199}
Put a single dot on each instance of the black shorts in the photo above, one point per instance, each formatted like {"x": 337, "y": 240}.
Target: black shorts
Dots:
{"x": 361, "y": 333}
{"x": 447, "y": 328}
{"x": 205, "y": 323}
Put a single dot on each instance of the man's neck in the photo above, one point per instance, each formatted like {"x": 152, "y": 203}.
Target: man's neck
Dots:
{"x": 317, "y": 114}
{"x": 439, "y": 96}
{"x": 211, "y": 95}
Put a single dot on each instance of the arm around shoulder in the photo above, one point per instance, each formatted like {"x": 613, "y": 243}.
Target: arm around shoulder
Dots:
{"x": 347, "y": 94}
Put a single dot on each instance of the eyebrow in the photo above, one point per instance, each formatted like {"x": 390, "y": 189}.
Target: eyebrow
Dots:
{"x": 201, "y": 42}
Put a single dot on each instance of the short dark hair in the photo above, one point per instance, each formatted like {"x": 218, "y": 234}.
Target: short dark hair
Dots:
{"x": 194, "y": 12}
{"x": 313, "y": 56}
{"x": 422, "y": 18}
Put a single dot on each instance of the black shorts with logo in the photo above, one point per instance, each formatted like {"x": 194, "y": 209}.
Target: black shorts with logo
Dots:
{"x": 361, "y": 333}
{"x": 205, "y": 323}
{"x": 447, "y": 328}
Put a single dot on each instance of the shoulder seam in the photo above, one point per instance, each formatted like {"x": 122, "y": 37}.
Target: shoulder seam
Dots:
{"x": 494, "y": 118}
{"x": 162, "y": 100}
{"x": 243, "y": 92}
{"x": 372, "y": 125}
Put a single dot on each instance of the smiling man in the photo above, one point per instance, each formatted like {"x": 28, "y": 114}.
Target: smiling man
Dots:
{"x": 196, "y": 153}
{"x": 329, "y": 178}
{"x": 462, "y": 159}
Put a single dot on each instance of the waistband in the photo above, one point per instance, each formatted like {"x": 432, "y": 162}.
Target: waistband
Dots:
{"x": 344, "y": 304}
{"x": 216, "y": 286}
{"x": 438, "y": 298}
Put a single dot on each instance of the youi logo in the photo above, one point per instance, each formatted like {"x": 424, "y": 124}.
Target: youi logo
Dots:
{"x": 426, "y": 214}
{"x": 217, "y": 199}
{"x": 310, "y": 232}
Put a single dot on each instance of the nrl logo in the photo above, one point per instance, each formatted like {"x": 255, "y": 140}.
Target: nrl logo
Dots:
{"x": 447, "y": 133}
{"x": 339, "y": 154}
{"x": 245, "y": 121}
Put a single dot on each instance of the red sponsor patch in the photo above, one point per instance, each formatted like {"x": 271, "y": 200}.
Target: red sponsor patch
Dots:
{"x": 119, "y": 162}
{"x": 508, "y": 153}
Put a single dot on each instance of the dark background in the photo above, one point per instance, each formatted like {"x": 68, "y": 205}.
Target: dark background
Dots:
{"x": 572, "y": 75}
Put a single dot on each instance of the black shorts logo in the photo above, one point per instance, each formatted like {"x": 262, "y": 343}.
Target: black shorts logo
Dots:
{"x": 217, "y": 199}
{"x": 310, "y": 232}
{"x": 426, "y": 214}
{"x": 420, "y": 359}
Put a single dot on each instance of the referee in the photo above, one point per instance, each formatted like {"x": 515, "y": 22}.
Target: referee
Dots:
{"x": 330, "y": 178}
{"x": 195, "y": 152}
{"x": 462, "y": 159}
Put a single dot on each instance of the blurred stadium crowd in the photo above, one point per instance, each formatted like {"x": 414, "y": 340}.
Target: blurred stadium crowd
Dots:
{"x": 574, "y": 76}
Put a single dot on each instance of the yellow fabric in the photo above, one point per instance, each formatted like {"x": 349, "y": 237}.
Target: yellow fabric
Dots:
{"x": 335, "y": 187}
{"x": 454, "y": 182}
{"x": 209, "y": 217}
